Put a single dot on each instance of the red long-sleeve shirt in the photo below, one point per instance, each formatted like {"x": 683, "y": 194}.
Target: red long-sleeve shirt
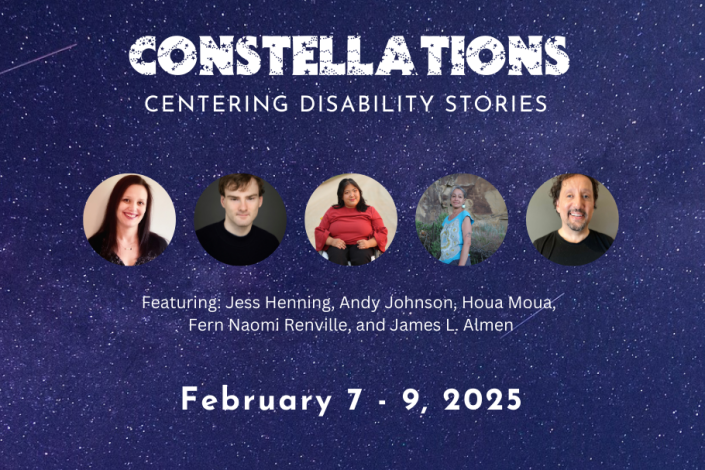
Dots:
{"x": 351, "y": 226}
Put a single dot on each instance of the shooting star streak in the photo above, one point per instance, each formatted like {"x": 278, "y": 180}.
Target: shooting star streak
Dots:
{"x": 39, "y": 58}
{"x": 532, "y": 316}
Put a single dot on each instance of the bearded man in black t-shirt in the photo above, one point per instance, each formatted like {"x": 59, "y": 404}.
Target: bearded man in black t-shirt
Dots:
{"x": 574, "y": 244}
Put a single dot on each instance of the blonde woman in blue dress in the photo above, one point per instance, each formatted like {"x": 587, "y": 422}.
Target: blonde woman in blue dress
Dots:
{"x": 456, "y": 236}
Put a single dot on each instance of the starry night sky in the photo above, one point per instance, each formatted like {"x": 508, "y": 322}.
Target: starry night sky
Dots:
{"x": 612, "y": 379}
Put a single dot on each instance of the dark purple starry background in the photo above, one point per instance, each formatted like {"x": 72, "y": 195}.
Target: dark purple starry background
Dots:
{"x": 612, "y": 379}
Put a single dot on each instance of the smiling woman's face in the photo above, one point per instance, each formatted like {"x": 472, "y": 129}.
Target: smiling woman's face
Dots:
{"x": 351, "y": 196}
{"x": 132, "y": 206}
{"x": 457, "y": 199}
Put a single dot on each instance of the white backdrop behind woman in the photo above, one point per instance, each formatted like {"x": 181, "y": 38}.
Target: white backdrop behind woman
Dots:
{"x": 163, "y": 221}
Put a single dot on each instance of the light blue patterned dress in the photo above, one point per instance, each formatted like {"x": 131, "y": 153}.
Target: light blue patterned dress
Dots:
{"x": 452, "y": 237}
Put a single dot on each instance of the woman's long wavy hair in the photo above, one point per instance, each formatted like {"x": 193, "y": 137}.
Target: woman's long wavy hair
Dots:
{"x": 361, "y": 205}
{"x": 109, "y": 225}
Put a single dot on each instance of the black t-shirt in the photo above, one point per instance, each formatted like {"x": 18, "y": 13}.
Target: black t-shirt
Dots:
{"x": 237, "y": 251}
{"x": 560, "y": 251}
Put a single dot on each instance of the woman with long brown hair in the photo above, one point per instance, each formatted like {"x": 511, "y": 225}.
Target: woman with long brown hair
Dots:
{"x": 124, "y": 237}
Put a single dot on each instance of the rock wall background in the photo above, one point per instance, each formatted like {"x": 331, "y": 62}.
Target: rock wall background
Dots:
{"x": 483, "y": 202}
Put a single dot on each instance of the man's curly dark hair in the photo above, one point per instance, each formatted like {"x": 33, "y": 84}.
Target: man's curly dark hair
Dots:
{"x": 555, "y": 192}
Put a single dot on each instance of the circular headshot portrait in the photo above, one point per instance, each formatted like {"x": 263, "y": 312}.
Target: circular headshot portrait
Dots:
{"x": 351, "y": 219}
{"x": 461, "y": 219}
{"x": 240, "y": 219}
{"x": 572, "y": 219}
{"x": 129, "y": 219}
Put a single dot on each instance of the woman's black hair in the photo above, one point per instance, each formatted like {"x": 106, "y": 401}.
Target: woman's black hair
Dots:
{"x": 109, "y": 225}
{"x": 361, "y": 205}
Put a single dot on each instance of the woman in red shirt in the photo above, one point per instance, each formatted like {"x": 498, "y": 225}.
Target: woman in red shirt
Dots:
{"x": 351, "y": 230}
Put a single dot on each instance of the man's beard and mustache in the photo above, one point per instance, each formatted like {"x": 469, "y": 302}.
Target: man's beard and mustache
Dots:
{"x": 577, "y": 227}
